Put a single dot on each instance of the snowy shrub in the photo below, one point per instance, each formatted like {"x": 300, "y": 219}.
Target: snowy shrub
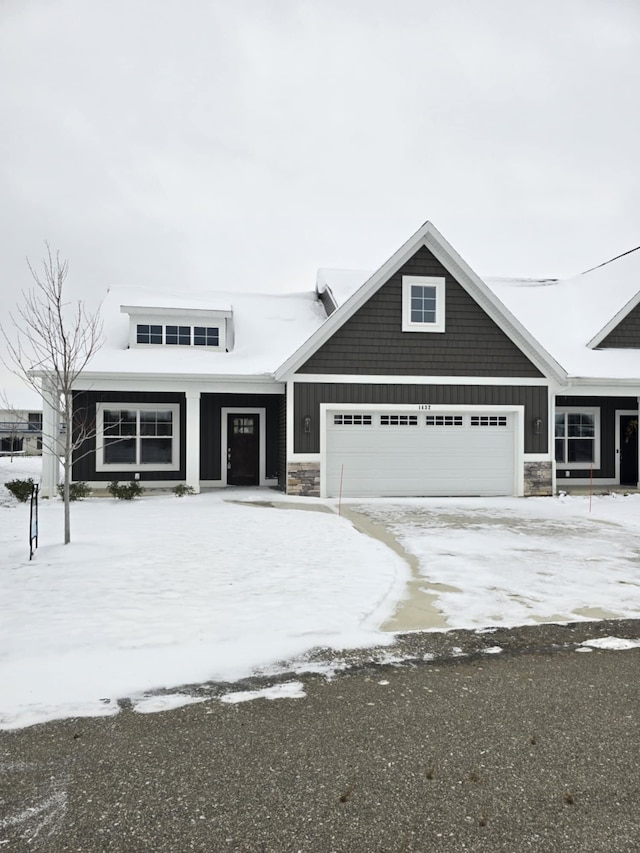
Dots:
{"x": 20, "y": 489}
{"x": 77, "y": 491}
{"x": 125, "y": 491}
{"x": 182, "y": 489}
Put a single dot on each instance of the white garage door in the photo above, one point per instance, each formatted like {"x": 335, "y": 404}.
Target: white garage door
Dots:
{"x": 394, "y": 453}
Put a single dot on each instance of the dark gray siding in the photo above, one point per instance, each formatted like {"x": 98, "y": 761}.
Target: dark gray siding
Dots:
{"x": 211, "y": 406}
{"x": 372, "y": 341}
{"x": 626, "y": 334}
{"x": 607, "y": 406}
{"x": 282, "y": 442}
{"x": 309, "y": 396}
{"x": 84, "y": 413}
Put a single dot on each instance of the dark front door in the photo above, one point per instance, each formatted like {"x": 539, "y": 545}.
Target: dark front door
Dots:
{"x": 628, "y": 450}
{"x": 243, "y": 450}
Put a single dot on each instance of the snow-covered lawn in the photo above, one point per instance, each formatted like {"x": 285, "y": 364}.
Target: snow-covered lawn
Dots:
{"x": 167, "y": 591}
{"x": 164, "y": 591}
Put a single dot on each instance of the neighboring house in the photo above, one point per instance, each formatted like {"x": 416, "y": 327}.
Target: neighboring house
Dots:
{"x": 420, "y": 379}
{"x": 20, "y": 432}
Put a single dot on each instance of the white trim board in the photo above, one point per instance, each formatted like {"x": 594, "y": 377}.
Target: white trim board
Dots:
{"x": 176, "y": 383}
{"x": 383, "y": 379}
{"x": 244, "y": 410}
{"x": 516, "y": 410}
{"x": 618, "y": 447}
{"x": 614, "y": 321}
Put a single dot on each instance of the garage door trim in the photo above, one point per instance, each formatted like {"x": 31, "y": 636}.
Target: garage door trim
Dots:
{"x": 327, "y": 410}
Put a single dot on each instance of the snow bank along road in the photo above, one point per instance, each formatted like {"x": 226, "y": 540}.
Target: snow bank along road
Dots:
{"x": 498, "y": 751}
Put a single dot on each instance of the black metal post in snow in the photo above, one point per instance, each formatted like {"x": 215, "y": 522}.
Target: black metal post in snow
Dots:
{"x": 33, "y": 519}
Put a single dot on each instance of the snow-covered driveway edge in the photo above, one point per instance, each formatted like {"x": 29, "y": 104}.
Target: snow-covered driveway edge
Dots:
{"x": 514, "y": 561}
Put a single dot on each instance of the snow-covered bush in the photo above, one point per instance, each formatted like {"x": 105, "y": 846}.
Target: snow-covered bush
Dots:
{"x": 182, "y": 489}
{"x": 20, "y": 489}
{"x": 77, "y": 491}
{"x": 125, "y": 491}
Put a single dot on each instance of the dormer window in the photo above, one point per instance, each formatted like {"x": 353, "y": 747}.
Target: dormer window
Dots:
{"x": 178, "y": 335}
{"x": 180, "y": 327}
{"x": 206, "y": 336}
{"x": 149, "y": 334}
{"x": 184, "y": 336}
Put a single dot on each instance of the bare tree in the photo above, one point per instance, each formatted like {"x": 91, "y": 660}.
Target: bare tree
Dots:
{"x": 49, "y": 343}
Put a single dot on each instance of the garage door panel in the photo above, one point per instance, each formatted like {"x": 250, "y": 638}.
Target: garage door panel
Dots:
{"x": 471, "y": 455}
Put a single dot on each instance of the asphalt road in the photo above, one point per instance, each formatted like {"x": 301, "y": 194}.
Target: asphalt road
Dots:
{"x": 512, "y": 752}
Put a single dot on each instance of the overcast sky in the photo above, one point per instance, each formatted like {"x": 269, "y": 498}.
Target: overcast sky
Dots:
{"x": 198, "y": 144}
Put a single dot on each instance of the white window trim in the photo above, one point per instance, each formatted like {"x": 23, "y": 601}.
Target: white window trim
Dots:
{"x": 174, "y": 408}
{"x": 586, "y": 410}
{"x": 408, "y": 281}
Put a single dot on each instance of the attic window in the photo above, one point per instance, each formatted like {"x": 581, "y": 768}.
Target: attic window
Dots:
{"x": 186, "y": 336}
{"x": 423, "y": 303}
{"x": 149, "y": 334}
{"x": 206, "y": 336}
{"x": 178, "y": 335}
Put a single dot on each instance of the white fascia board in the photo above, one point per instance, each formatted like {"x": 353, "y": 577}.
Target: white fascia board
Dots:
{"x": 589, "y": 387}
{"x": 178, "y": 383}
{"x": 613, "y": 322}
{"x": 418, "y": 379}
{"x": 430, "y": 237}
{"x": 154, "y": 311}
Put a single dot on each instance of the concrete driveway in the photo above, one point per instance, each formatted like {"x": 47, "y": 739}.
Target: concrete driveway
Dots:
{"x": 509, "y": 561}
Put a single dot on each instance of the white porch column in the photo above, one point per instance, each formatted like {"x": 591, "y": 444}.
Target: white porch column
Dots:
{"x": 50, "y": 441}
{"x": 193, "y": 440}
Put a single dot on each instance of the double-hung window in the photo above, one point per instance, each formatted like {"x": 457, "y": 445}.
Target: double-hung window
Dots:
{"x": 131, "y": 437}
{"x": 423, "y": 303}
{"x": 577, "y": 437}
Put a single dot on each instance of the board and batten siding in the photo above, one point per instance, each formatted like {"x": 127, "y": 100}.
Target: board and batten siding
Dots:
{"x": 372, "y": 341}
{"x": 608, "y": 407}
{"x": 211, "y": 406}
{"x": 84, "y": 412}
{"x": 282, "y": 441}
{"x": 626, "y": 334}
{"x": 309, "y": 395}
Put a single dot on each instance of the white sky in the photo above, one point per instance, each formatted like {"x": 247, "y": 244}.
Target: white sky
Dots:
{"x": 243, "y": 145}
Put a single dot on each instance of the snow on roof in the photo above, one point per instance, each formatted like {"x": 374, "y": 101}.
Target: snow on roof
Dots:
{"x": 267, "y": 329}
{"x": 341, "y": 283}
{"x": 564, "y": 315}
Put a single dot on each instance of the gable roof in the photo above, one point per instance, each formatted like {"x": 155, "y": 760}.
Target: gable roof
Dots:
{"x": 427, "y": 235}
{"x": 626, "y": 274}
{"x": 267, "y": 328}
{"x": 566, "y": 315}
